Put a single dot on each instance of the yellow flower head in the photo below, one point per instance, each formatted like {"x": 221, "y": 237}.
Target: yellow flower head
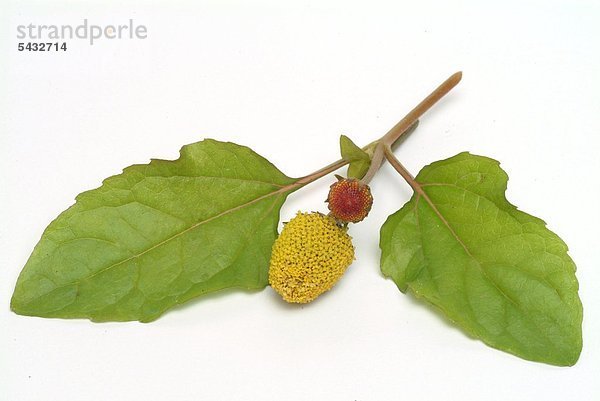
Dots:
{"x": 309, "y": 257}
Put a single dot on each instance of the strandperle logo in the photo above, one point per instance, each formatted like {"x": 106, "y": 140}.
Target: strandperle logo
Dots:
{"x": 86, "y": 31}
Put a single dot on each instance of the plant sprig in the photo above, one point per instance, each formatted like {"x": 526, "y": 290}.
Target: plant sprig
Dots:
{"x": 160, "y": 234}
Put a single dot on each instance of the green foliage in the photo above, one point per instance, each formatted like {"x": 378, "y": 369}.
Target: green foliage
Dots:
{"x": 158, "y": 235}
{"x": 359, "y": 160}
{"x": 495, "y": 271}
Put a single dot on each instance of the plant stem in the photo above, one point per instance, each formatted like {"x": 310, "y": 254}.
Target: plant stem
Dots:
{"x": 384, "y": 144}
{"x": 378, "y": 154}
{"x": 407, "y": 122}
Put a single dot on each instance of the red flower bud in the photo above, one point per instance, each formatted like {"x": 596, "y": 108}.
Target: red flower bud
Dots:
{"x": 349, "y": 200}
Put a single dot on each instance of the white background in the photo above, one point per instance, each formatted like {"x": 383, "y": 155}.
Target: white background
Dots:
{"x": 287, "y": 80}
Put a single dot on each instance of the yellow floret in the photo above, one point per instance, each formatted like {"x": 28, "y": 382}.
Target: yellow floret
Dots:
{"x": 309, "y": 257}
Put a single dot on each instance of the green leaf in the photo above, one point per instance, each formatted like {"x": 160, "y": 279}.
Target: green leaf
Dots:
{"x": 158, "y": 235}
{"x": 359, "y": 160}
{"x": 495, "y": 271}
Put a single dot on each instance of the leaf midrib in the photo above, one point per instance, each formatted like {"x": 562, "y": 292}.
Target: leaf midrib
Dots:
{"x": 247, "y": 240}
{"x": 463, "y": 245}
{"x": 287, "y": 188}
{"x": 455, "y": 235}
{"x": 216, "y": 177}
